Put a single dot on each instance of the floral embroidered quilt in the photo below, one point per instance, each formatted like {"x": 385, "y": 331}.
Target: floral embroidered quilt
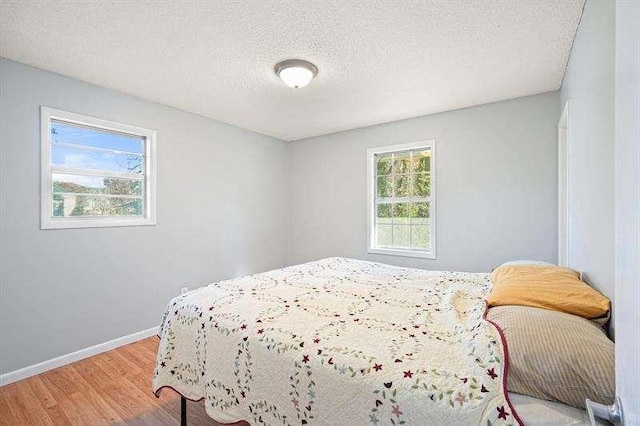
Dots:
{"x": 338, "y": 342}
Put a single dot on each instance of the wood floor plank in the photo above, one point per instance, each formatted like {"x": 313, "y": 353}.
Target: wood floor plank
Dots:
{"x": 35, "y": 411}
{"x": 71, "y": 411}
{"x": 121, "y": 360}
{"x": 142, "y": 382}
{"x": 48, "y": 401}
{"x": 44, "y": 396}
{"x": 152, "y": 344}
{"x": 85, "y": 410}
{"x": 63, "y": 381}
{"x": 134, "y": 405}
{"x": 110, "y": 388}
{"x": 138, "y": 355}
{"x": 93, "y": 374}
{"x": 10, "y": 412}
{"x": 57, "y": 416}
{"x": 102, "y": 407}
{"x": 109, "y": 365}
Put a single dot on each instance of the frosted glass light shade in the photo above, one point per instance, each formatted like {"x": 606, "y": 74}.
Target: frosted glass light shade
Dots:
{"x": 296, "y": 73}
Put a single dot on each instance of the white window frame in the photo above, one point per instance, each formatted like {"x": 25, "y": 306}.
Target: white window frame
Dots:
{"x": 371, "y": 211}
{"x": 47, "y": 221}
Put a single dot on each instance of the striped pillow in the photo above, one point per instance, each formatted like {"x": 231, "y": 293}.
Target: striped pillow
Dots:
{"x": 556, "y": 356}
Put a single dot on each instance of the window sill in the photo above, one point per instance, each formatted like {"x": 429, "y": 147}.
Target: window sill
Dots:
{"x": 94, "y": 223}
{"x": 403, "y": 253}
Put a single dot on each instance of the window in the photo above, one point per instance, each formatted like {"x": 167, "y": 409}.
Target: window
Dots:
{"x": 402, "y": 208}
{"x": 95, "y": 173}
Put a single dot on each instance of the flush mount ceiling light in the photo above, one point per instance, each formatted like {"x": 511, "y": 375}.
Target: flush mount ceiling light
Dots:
{"x": 296, "y": 73}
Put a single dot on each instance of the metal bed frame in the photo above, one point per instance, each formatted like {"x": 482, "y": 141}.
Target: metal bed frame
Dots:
{"x": 183, "y": 411}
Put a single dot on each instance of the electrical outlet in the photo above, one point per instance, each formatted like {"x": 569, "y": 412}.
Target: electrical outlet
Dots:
{"x": 184, "y": 290}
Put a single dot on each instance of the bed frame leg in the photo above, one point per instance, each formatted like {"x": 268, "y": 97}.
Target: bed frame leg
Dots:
{"x": 183, "y": 411}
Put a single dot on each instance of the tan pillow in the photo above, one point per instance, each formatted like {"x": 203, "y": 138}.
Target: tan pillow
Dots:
{"x": 549, "y": 287}
{"x": 556, "y": 356}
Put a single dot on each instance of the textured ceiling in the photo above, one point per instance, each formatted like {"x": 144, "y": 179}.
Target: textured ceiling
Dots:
{"x": 379, "y": 61}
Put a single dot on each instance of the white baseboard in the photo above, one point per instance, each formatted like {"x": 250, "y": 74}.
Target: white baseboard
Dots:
{"x": 41, "y": 367}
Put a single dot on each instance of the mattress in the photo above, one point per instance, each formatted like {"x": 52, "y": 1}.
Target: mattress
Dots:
{"x": 538, "y": 412}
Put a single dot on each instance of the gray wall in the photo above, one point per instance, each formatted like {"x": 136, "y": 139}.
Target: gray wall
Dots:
{"x": 496, "y": 183}
{"x": 221, "y": 213}
{"x": 589, "y": 85}
{"x": 232, "y": 202}
{"x": 627, "y": 183}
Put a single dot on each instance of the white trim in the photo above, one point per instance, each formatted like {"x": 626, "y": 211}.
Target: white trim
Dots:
{"x": 41, "y": 367}
{"x": 403, "y": 252}
{"x": 86, "y": 194}
{"x": 563, "y": 187}
{"x": 403, "y": 200}
{"x": 88, "y": 121}
{"x": 76, "y": 171}
{"x": 95, "y": 222}
{"x": 371, "y": 248}
{"x": 402, "y": 147}
{"x": 46, "y": 194}
{"x": 95, "y": 148}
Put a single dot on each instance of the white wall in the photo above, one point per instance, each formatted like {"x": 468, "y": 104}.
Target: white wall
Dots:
{"x": 589, "y": 86}
{"x": 627, "y": 194}
{"x": 221, "y": 213}
{"x": 496, "y": 183}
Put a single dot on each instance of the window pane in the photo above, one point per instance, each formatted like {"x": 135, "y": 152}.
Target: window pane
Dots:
{"x": 401, "y": 236}
{"x": 383, "y": 235}
{"x": 420, "y": 213}
{"x": 421, "y": 185}
{"x": 401, "y": 162}
{"x": 383, "y": 164}
{"x": 69, "y": 205}
{"x": 422, "y": 161}
{"x": 402, "y": 213}
{"x": 80, "y": 135}
{"x": 384, "y": 213}
{"x": 63, "y": 183}
{"x": 384, "y": 186}
{"x": 420, "y": 221}
{"x": 420, "y": 236}
{"x": 402, "y": 186}
{"x": 97, "y": 160}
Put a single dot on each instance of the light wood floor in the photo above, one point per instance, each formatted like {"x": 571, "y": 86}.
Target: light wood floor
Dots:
{"x": 110, "y": 388}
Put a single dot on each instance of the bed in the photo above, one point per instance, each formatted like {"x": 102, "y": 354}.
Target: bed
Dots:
{"x": 342, "y": 341}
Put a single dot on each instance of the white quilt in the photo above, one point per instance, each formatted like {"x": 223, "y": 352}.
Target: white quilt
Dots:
{"x": 338, "y": 342}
